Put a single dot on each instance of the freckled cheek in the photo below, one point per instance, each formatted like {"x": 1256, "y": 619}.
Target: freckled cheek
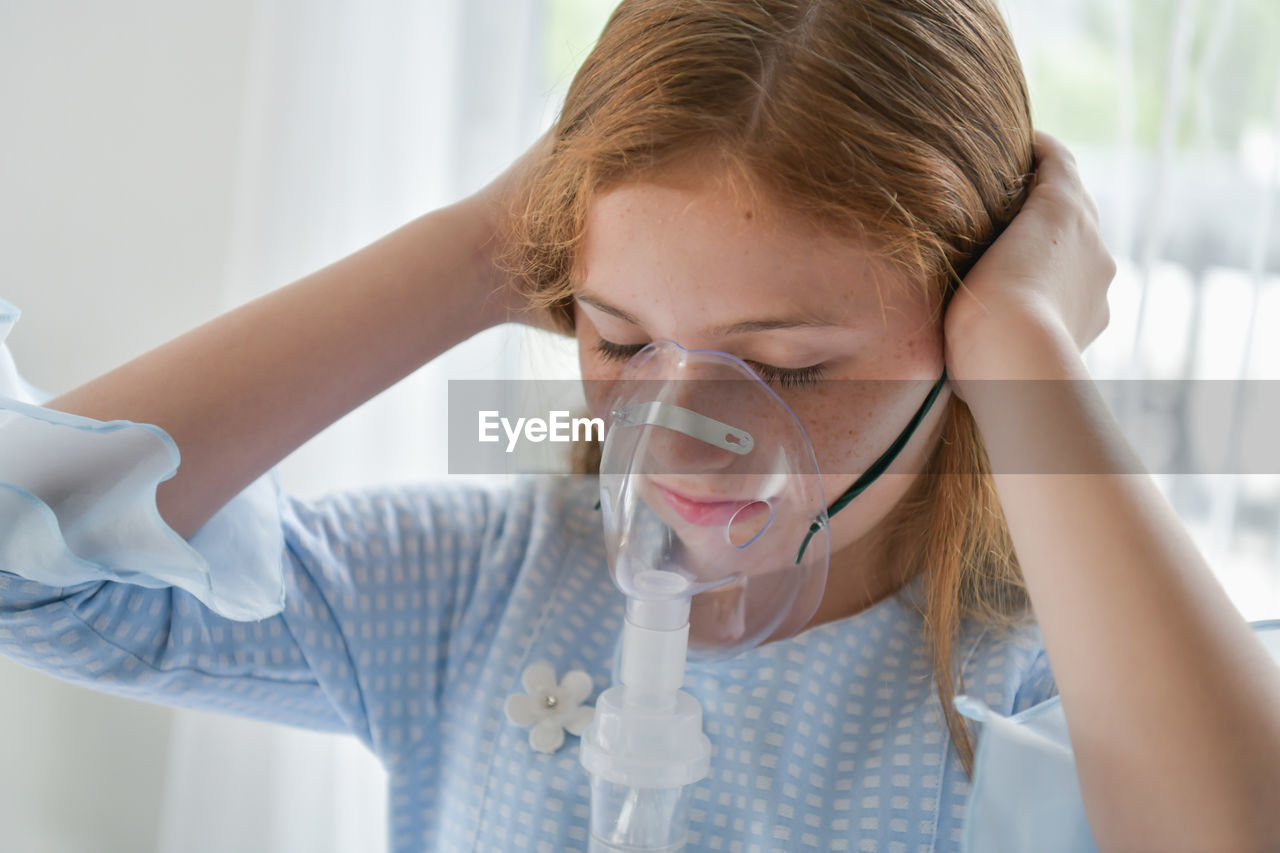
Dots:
{"x": 843, "y": 431}
{"x": 852, "y": 420}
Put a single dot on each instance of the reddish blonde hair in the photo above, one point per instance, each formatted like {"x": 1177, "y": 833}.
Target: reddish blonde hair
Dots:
{"x": 903, "y": 123}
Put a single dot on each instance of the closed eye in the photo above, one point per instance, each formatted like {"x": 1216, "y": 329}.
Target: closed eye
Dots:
{"x": 786, "y": 377}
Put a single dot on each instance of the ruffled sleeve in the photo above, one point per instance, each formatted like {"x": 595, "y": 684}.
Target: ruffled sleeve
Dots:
{"x": 77, "y": 504}
{"x": 1025, "y": 793}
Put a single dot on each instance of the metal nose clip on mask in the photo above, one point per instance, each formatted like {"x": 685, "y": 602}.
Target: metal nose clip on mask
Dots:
{"x": 715, "y": 526}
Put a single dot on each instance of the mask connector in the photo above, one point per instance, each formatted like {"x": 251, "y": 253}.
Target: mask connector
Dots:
{"x": 645, "y": 748}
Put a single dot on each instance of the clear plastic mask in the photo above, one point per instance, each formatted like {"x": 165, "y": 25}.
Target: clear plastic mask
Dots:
{"x": 708, "y": 475}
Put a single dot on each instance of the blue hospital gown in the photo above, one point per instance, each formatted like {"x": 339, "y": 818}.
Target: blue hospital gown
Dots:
{"x": 406, "y": 615}
{"x": 410, "y": 614}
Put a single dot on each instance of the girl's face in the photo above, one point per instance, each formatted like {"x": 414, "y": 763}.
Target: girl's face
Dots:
{"x": 687, "y": 262}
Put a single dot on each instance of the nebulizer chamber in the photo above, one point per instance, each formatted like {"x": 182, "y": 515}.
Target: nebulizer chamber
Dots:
{"x": 715, "y": 527}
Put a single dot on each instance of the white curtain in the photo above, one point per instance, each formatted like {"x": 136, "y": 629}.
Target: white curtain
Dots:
{"x": 358, "y": 117}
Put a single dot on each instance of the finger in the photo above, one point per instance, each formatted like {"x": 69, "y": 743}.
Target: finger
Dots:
{"x": 1054, "y": 161}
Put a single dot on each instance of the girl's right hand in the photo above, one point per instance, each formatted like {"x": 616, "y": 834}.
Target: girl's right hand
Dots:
{"x": 494, "y": 201}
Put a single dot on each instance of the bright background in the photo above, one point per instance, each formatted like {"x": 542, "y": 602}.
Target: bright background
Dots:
{"x": 162, "y": 163}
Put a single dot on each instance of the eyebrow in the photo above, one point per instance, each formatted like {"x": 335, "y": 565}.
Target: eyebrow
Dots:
{"x": 740, "y": 328}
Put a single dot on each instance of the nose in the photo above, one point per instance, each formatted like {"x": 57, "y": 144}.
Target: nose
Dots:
{"x": 699, "y": 389}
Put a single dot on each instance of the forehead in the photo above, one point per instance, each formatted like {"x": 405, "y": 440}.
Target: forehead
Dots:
{"x": 708, "y": 247}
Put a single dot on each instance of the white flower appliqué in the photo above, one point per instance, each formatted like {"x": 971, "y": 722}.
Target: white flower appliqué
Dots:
{"x": 552, "y": 709}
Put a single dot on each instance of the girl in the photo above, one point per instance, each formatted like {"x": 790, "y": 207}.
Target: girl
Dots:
{"x": 815, "y": 187}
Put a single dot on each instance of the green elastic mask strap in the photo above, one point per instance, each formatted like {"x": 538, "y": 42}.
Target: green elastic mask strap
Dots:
{"x": 880, "y": 465}
{"x": 877, "y": 468}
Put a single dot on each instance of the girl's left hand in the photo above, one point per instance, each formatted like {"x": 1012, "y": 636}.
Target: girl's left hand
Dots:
{"x": 1046, "y": 274}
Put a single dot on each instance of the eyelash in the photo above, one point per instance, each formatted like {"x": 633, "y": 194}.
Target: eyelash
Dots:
{"x": 801, "y": 377}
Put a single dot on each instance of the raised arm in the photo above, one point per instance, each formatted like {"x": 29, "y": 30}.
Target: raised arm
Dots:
{"x": 245, "y": 389}
{"x": 275, "y": 610}
{"x": 1172, "y": 704}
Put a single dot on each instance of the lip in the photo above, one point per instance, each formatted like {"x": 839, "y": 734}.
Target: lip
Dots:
{"x": 707, "y": 513}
